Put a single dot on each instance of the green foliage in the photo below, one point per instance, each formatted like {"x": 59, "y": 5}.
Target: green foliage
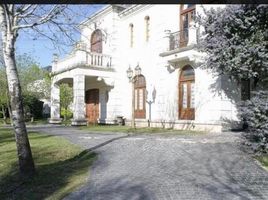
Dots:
{"x": 66, "y": 97}
{"x": 33, "y": 107}
{"x": 3, "y": 86}
{"x": 3, "y": 93}
{"x": 236, "y": 41}
{"x": 34, "y": 80}
{"x": 255, "y": 113}
{"x": 35, "y": 84}
{"x": 67, "y": 113}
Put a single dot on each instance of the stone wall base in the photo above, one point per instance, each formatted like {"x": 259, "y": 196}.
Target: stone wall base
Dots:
{"x": 180, "y": 125}
{"x": 55, "y": 120}
{"x": 79, "y": 122}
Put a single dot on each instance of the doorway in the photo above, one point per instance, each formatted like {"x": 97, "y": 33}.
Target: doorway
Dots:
{"x": 92, "y": 105}
{"x": 187, "y": 93}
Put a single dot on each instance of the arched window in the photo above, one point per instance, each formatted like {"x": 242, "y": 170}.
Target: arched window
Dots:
{"x": 131, "y": 27}
{"x": 96, "y": 41}
{"x": 140, "y": 96}
{"x": 187, "y": 93}
{"x": 147, "y": 28}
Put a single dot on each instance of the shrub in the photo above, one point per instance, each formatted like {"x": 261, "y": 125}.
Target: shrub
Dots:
{"x": 254, "y": 113}
{"x": 33, "y": 107}
{"x": 66, "y": 114}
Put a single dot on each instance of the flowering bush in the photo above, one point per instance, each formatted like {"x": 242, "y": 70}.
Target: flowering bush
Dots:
{"x": 254, "y": 112}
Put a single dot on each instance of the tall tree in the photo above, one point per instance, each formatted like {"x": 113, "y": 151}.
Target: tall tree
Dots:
{"x": 42, "y": 20}
{"x": 236, "y": 41}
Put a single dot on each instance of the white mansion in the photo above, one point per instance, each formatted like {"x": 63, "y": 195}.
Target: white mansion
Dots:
{"x": 166, "y": 87}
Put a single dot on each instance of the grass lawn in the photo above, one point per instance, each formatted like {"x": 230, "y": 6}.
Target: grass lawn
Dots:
{"x": 61, "y": 167}
{"x": 263, "y": 160}
{"x": 146, "y": 130}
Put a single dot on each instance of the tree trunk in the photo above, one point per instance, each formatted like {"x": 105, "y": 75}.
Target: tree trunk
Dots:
{"x": 26, "y": 163}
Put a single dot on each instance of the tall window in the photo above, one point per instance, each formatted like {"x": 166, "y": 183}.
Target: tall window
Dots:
{"x": 96, "y": 41}
{"x": 147, "y": 28}
{"x": 187, "y": 93}
{"x": 187, "y": 15}
{"x": 131, "y": 28}
{"x": 140, "y": 97}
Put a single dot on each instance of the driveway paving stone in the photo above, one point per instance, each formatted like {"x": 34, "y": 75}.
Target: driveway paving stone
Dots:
{"x": 141, "y": 167}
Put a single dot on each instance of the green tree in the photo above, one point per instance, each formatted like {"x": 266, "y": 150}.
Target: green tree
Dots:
{"x": 66, "y": 97}
{"x": 236, "y": 41}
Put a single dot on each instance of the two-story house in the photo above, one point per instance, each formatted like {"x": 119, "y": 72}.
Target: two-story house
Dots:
{"x": 159, "y": 43}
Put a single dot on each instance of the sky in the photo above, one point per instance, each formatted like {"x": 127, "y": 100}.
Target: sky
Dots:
{"x": 42, "y": 49}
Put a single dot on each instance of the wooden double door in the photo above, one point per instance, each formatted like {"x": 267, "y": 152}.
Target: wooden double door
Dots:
{"x": 140, "y": 97}
{"x": 187, "y": 94}
{"x": 92, "y": 105}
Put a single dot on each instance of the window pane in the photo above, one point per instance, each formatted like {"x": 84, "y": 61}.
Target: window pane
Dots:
{"x": 192, "y": 95}
{"x": 185, "y": 6}
{"x": 187, "y": 71}
{"x": 184, "y": 95}
{"x": 140, "y": 99}
{"x": 185, "y": 21}
{"x": 193, "y": 15}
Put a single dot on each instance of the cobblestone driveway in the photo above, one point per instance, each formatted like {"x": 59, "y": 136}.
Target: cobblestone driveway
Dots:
{"x": 175, "y": 167}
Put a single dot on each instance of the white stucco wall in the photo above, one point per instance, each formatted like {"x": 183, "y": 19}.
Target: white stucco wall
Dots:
{"x": 212, "y": 104}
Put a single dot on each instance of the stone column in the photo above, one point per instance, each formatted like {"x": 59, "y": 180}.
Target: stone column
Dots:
{"x": 79, "y": 100}
{"x": 55, "y": 104}
{"x": 166, "y": 40}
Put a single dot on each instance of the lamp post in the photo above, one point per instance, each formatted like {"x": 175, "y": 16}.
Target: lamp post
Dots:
{"x": 150, "y": 101}
{"x": 132, "y": 79}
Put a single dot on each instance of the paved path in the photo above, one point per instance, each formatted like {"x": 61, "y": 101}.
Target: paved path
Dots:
{"x": 174, "y": 167}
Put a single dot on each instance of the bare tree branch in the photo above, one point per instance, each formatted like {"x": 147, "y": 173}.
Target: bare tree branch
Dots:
{"x": 22, "y": 9}
{"x": 54, "y": 11}
{"x": 26, "y": 14}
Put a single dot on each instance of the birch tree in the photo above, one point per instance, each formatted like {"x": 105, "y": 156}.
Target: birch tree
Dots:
{"x": 38, "y": 20}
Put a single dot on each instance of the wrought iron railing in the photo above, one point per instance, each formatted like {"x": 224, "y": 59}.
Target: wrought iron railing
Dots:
{"x": 178, "y": 39}
{"x": 181, "y": 39}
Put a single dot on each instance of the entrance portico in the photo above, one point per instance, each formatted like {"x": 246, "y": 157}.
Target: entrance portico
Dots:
{"x": 83, "y": 103}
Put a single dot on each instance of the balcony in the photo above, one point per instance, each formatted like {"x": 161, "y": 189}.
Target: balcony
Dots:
{"x": 180, "y": 46}
{"x": 82, "y": 57}
{"x": 178, "y": 39}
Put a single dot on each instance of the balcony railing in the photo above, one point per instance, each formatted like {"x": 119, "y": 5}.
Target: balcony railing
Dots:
{"x": 178, "y": 39}
{"x": 186, "y": 37}
{"x": 82, "y": 57}
{"x": 98, "y": 59}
